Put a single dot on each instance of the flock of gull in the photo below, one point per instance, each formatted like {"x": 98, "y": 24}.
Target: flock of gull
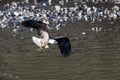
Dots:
{"x": 55, "y": 16}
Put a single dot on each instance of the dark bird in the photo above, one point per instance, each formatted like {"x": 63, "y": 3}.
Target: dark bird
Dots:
{"x": 63, "y": 43}
{"x": 37, "y": 25}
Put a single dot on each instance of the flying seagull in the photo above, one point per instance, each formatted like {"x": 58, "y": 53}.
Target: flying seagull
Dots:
{"x": 63, "y": 43}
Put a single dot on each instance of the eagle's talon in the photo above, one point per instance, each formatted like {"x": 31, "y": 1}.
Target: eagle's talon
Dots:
{"x": 38, "y": 49}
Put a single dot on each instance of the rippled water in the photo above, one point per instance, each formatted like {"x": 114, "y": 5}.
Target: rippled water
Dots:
{"x": 95, "y": 55}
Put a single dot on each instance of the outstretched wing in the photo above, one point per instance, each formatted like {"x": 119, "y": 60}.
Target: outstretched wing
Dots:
{"x": 38, "y": 25}
{"x": 36, "y": 40}
{"x": 64, "y": 45}
{"x": 31, "y": 24}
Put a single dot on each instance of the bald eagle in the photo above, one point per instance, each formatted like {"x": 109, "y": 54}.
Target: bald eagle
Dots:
{"x": 63, "y": 43}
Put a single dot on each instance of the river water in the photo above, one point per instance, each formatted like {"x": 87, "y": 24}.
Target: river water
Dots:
{"x": 95, "y": 55}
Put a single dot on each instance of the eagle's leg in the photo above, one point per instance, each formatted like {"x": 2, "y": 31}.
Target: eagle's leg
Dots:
{"x": 46, "y": 47}
{"x": 39, "y": 49}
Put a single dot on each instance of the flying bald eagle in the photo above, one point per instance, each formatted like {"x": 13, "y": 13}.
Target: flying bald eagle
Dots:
{"x": 63, "y": 43}
{"x": 37, "y": 25}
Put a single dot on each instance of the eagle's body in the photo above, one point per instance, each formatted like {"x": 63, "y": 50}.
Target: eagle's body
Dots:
{"x": 44, "y": 39}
